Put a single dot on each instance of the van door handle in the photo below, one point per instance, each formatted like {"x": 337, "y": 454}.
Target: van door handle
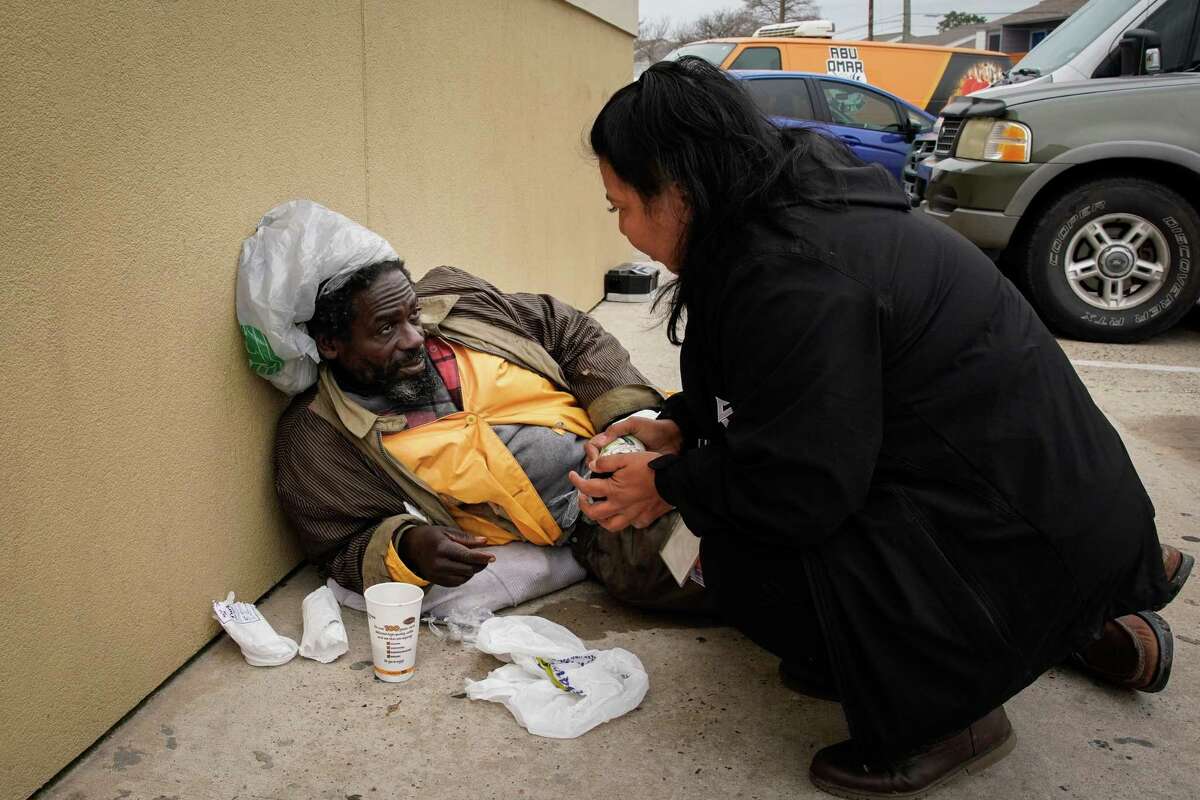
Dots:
{"x": 850, "y": 139}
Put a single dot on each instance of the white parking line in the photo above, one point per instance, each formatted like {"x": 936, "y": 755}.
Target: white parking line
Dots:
{"x": 1144, "y": 367}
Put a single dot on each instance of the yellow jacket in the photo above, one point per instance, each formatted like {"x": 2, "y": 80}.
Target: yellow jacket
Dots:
{"x": 460, "y": 458}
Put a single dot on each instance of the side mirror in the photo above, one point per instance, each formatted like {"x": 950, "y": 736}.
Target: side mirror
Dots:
{"x": 1141, "y": 52}
{"x": 910, "y": 131}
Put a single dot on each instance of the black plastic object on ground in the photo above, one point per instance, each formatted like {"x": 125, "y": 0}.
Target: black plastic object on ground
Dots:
{"x": 631, "y": 283}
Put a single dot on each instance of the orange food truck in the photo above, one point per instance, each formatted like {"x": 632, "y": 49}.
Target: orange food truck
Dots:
{"x": 924, "y": 75}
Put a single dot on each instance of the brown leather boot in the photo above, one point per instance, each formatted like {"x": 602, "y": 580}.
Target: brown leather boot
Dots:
{"x": 840, "y": 770}
{"x": 1133, "y": 652}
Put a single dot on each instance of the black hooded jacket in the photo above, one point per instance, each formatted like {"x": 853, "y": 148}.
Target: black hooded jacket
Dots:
{"x": 866, "y": 388}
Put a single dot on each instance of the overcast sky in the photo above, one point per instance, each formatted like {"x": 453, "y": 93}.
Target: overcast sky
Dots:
{"x": 850, "y": 16}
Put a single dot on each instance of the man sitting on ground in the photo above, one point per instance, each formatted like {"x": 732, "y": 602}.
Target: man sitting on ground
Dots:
{"x": 446, "y": 417}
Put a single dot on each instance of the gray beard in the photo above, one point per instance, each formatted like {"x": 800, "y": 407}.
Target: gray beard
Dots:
{"x": 415, "y": 391}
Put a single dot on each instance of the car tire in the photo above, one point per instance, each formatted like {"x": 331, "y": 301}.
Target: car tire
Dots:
{"x": 1113, "y": 260}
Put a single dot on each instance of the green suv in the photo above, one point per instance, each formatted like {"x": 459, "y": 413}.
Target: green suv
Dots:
{"x": 1086, "y": 193}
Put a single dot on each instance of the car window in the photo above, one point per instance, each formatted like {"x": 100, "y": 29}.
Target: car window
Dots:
{"x": 1067, "y": 40}
{"x": 781, "y": 97}
{"x": 859, "y": 107}
{"x": 758, "y": 58}
{"x": 1173, "y": 22}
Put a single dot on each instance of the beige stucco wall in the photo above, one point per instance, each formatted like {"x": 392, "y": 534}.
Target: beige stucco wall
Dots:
{"x": 142, "y": 141}
{"x": 505, "y": 187}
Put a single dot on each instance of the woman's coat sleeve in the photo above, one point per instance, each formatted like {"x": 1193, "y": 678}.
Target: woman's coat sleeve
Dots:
{"x": 798, "y": 356}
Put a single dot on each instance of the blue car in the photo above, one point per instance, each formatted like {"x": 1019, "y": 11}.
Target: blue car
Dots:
{"x": 876, "y": 125}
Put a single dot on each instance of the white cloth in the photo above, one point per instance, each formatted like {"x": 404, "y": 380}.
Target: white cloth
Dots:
{"x": 521, "y": 571}
{"x": 261, "y": 646}
{"x": 324, "y": 634}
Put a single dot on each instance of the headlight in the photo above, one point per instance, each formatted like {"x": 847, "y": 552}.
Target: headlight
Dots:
{"x": 995, "y": 140}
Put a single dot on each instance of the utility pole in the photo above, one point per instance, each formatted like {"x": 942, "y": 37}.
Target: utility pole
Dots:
{"x": 782, "y": 11}
{"x": 906, "y": 32}
{"x": 870, "y": 20}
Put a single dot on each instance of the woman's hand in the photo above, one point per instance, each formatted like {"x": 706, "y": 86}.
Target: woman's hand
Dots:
{"x": 630, "y": 497}
{"x": 660, "y": 435}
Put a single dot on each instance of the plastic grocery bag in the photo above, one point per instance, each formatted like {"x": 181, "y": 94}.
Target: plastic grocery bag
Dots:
{"x": 297, "y": 245}
{"x": 555, "y": 686}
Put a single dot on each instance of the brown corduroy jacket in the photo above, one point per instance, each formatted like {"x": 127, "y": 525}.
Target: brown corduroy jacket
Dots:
{"x": 346, "y": 497}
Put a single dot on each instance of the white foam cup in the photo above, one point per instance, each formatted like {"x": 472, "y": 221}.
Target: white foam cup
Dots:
{"x": 394, "y": 617}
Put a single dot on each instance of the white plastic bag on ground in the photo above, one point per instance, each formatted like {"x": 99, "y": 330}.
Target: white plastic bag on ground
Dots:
{"x": 460, "y": 625}
{"x": 555, "y": 686}
{"x": 297, "y": 245}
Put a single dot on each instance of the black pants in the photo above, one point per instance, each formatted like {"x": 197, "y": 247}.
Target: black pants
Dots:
{"x": 765, "y": 593}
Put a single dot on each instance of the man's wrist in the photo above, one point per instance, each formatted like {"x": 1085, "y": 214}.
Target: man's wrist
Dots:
{"x": 401, "y": 543}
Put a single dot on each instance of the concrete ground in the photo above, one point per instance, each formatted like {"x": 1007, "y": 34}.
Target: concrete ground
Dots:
{"x": 716, "y": 723}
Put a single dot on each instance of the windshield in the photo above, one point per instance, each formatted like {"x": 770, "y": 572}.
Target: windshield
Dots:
{"x": 1067, "y": 40}
{"x": 712, "y": 52}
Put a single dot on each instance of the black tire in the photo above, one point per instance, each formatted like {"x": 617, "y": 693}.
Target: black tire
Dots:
{"x": 1059, "y": 238}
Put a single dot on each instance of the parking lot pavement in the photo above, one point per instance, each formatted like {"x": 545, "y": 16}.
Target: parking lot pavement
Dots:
{"x": 716, "y": 723}
{"x": 1178, "y": 347}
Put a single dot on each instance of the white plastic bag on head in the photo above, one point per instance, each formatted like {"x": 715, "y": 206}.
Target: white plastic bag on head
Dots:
{"x": 555, "y": 686}
{"x": 297, "y": 245}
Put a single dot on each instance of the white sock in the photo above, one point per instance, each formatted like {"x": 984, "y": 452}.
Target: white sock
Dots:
{"x": 261, "y": 645}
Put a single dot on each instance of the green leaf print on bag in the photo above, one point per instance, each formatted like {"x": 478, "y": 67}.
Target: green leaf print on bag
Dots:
{"x": 262, "y": 358}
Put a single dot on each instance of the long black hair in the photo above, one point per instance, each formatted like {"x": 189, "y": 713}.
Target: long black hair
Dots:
{"x": 686, "y": 122}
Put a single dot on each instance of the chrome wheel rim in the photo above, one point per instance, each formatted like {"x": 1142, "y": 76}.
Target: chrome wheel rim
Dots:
{"x": 1117, "y": 261}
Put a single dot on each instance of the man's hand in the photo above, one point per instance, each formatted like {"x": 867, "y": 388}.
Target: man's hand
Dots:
{"x": 630, "y": 497}
{"x": 443, "y": 556}
{"x": 660, "y": 435}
